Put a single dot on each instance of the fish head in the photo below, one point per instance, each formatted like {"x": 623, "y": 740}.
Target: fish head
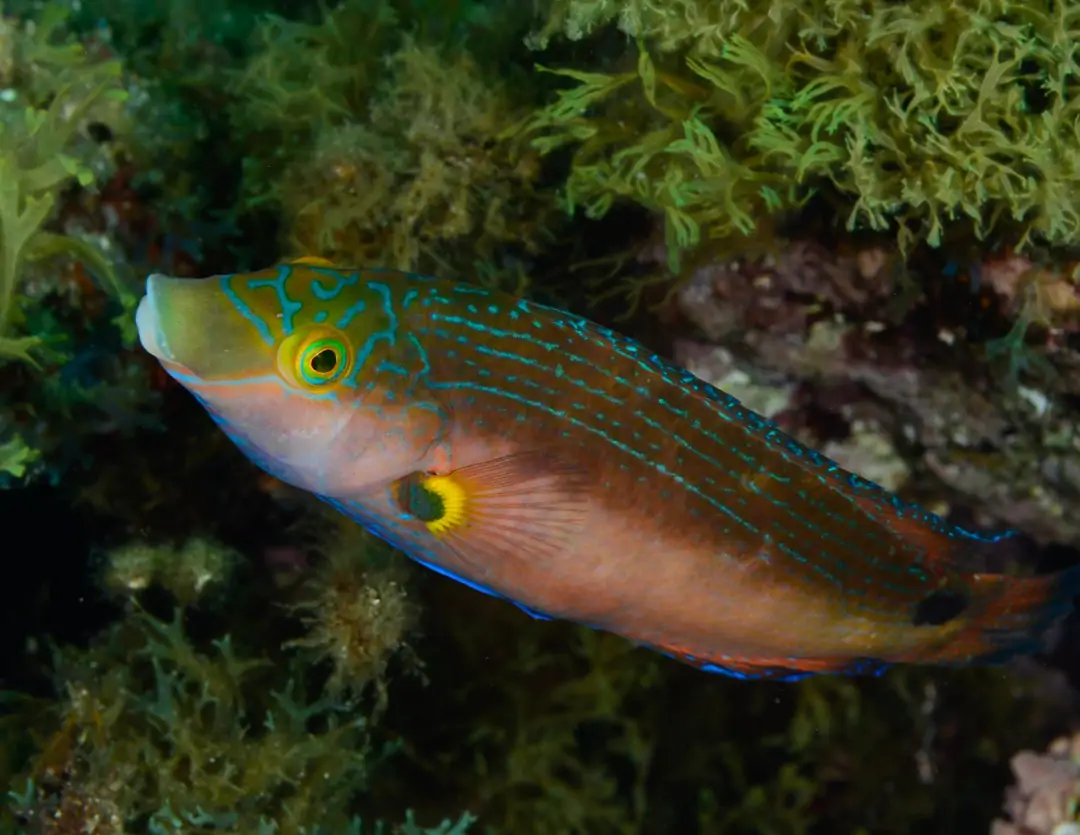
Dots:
{"x": 283, "y": 360}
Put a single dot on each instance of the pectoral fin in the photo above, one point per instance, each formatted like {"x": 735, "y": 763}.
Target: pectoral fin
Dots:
{"x": 521, "y": 507}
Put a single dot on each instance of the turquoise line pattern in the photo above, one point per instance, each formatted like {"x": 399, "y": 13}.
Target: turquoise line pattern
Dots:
{"x": 649, "y": 371}
{"x": 475, "y": 326}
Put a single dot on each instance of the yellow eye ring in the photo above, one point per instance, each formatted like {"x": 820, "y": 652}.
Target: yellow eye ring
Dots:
{"x": 315, "y": 358}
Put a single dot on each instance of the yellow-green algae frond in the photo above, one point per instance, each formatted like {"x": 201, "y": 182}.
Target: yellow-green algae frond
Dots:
{"x": 51, "y": 88}
{"x": 907, "y": 116}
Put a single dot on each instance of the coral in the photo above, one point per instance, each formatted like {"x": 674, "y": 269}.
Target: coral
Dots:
{"x": 785, "y": 290}
{"x": 1011, "y": 452}
{"x": 1045, "y": 799}
{"x": 718, "y": 366}
{"x": 907, "y": 117}
{"x": 864, "y": 448}
{"x": 1044, "y": 303}
{"x": 872, "y": 454}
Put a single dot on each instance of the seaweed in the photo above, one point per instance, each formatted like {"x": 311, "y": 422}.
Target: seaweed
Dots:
{"x": 333, "y": 690}
{"x": 36, "y": 163}
{"x": 382, "y": 147}
{"x": 162, "y": 723}
{"x": 912, "y": 118}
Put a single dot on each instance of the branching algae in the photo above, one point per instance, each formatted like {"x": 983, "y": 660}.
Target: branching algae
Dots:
{"x": 911, "y": 116}
{"x": 36, "y": 162}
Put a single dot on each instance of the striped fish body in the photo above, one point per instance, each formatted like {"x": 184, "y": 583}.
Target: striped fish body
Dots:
{"x": 539, "y": 457}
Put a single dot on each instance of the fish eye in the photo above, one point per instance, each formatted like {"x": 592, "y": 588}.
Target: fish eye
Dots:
{"x": 321, "y": 362}
{"x": 325, "y": 361}
{"x": 315, "y": 358}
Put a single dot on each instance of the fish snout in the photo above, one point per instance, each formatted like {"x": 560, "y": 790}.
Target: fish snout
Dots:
{"x": 199, "y": 327}
{"x": 148, "y": 320}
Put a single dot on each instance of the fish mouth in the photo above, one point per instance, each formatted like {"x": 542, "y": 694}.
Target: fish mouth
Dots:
{"x": 148, "y": 323}
{"x": 193, "y": 328}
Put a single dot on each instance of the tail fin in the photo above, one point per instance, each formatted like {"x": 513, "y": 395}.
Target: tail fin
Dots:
{"x": 1009, "y": 616}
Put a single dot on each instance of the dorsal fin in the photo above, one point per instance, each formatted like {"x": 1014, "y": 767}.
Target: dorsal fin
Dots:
{"x": 313, "y": 261}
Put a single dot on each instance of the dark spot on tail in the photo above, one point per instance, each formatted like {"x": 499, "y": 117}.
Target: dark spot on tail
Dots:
{"x": 939, "y": 608}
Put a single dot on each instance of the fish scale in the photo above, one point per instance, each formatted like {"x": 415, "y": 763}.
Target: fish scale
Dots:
{"x": 566, "y": 468}
{"x": 709, "y": 447}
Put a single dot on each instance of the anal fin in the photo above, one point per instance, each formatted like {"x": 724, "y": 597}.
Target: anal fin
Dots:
{"x": 533, "y": 613}
{"x": 785, "y": 669}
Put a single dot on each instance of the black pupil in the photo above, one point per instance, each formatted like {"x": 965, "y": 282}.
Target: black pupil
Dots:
{"x": 325, "y": 361}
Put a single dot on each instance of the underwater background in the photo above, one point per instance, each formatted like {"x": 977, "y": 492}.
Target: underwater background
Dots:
{"x": 857, "y": 216}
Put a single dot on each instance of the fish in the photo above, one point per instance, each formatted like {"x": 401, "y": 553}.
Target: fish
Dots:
{"x": 539, "y": 457}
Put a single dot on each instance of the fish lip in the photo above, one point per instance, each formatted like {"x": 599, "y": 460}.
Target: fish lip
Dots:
{"x": 148, "y": 326}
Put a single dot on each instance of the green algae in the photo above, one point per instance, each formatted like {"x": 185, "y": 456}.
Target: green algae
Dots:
{"x": 347, "y": 136}
{"x": 913, "y": 118}
{"x": 36, "y": 160}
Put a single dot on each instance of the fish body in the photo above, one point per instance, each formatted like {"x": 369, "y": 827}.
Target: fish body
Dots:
{"x": 539, "y": 457}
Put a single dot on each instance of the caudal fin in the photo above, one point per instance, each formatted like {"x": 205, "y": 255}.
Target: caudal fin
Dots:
{"x": 1010, "y": 616}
